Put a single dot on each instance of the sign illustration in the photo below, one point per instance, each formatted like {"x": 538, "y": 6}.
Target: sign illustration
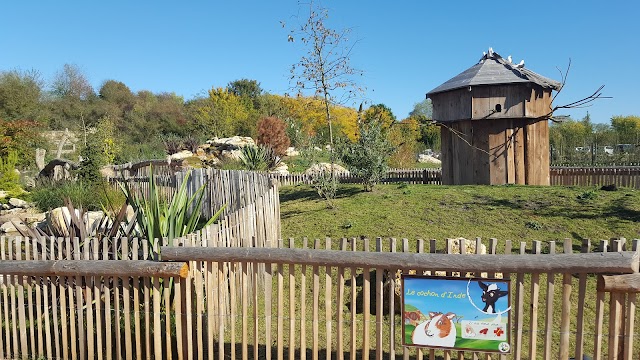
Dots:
{"x": 456, "y": 313}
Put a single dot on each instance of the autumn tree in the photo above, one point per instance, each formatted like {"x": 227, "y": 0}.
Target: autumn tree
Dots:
{"x": 381, "y": 113}
{"x": 272, "y": 133}
{"x": 222, "y": 113}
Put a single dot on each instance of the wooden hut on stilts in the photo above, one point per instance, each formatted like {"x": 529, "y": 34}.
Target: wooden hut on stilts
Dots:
{"x": 494, "y": 123}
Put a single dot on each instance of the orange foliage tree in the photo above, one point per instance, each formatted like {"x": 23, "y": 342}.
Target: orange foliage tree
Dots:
{"x": 272, "y": 133}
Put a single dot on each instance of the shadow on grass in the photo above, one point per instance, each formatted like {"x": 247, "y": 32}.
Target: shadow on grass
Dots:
{"x": 620, "y": 209}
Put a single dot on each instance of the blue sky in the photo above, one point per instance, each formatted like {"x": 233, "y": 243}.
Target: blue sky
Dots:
{"x": 405, "y": 48}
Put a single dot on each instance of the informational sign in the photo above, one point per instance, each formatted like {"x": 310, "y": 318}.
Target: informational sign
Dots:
{"x": 456, "y": 313}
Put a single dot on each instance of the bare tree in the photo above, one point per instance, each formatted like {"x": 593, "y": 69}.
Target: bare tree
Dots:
{"x": 325, "y": 68}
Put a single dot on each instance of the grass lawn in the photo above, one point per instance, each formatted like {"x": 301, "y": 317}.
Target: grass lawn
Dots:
{"x": 518, "y": 213}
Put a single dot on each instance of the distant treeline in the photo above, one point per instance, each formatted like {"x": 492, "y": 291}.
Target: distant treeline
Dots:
{"x": 582, "y": 142}
{"x": 129, "y": 126}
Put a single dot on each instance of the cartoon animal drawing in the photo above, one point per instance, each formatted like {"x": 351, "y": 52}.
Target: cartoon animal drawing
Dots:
{"x": 469, "y": 331}
{"x": 412, "y": 317}
{"x": 439, "y": 330}
{"x": 490, "y": 294}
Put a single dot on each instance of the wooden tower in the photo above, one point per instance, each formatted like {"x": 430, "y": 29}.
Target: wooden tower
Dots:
{"x": 494, "y": 124}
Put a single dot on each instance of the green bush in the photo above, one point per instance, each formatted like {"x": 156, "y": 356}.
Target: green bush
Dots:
{"x": 50, "y": 194}
{"x": 9, "y": 178}
{"x": 367, "y": 157}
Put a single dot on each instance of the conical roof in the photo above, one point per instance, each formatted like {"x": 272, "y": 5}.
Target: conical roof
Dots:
{"x": 492, "y": 69}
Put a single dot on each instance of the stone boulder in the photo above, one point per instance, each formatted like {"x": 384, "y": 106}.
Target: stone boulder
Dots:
{"x": 291, "y": 151}
{"x": 18, "y": 203}
{"x": 231, "y": 143}
{"x": 9, "y": 226}
{"x": 58, "y": 218}
{"x": 227, "y": 148}
{"x": 325, "y": 168}
{"x": 428, "y": 159}
{"x": 281, "y": 169}
{"x": 181, "y": 155}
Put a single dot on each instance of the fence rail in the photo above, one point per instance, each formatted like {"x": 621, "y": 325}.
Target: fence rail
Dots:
{"x": 303, "y": 309}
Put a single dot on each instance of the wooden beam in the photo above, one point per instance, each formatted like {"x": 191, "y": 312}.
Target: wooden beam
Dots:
{"x": 614, "y": 262}
{"x": 619, "y": 283}
{"x": 119, "y": 268}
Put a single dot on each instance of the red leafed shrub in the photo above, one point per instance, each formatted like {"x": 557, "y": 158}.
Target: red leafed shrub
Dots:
{"x": 272, "y": 133}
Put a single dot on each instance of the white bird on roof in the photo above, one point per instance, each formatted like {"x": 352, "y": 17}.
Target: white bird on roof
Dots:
{"x": 520, "y": 64}
{"x": 490, "y": 52}
{"x": 509, "y": 59}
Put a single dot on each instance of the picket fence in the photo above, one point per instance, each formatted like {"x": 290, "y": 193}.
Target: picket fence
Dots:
{"x": 248, "y": 294}
{"x": 302, "y": 299}
{"x": 559, "y": 176}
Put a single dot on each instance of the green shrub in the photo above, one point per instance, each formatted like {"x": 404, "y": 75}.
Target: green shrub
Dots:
{"x": 587, "y": 195}
{"x": 9, "y": 177}
{"x": 49, "y": 194}
{"x": 89, "y": 168}
{"x": 367, "y": 157}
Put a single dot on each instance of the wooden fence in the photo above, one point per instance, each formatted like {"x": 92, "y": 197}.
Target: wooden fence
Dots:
{"x": 559, "y": 176}
{"x": 320, "y": 299}
{"x": 231, "y": 188}
{"x": 597, "y": 176}
{"x": 627, "y": 176}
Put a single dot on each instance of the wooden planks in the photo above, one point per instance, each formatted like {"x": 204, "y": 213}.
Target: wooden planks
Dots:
{"x": 110, "y": 302}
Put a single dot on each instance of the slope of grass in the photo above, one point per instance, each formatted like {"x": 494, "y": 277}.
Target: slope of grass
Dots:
{"x": 518, "y": 213}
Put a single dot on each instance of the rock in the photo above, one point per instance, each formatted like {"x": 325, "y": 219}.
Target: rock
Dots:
{"x": 58, "y": 218}
{"x": 317, "y": 148}
{"x": 282, "y": 169}
{"x": 34, "y": 218}
{"x": 325, "y": 167}
{"x": 230, "y": 155}
{"x": 3, "y": 194}
{"x": 10, "y": 211}
{"x": 18, "y": 203}
{"x": 291, "y": 151}
{"x": 428, "y": 159}
{"x": 7, "y": 227}
{"x": 235, "y": 142}
{"x": 181, "y": 155}
{"x": 10, "y": 226}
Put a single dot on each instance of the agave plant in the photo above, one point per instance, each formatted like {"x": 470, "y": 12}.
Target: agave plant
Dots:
{"x": 259, "y": 158}
{"x": 157, "y": 218}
